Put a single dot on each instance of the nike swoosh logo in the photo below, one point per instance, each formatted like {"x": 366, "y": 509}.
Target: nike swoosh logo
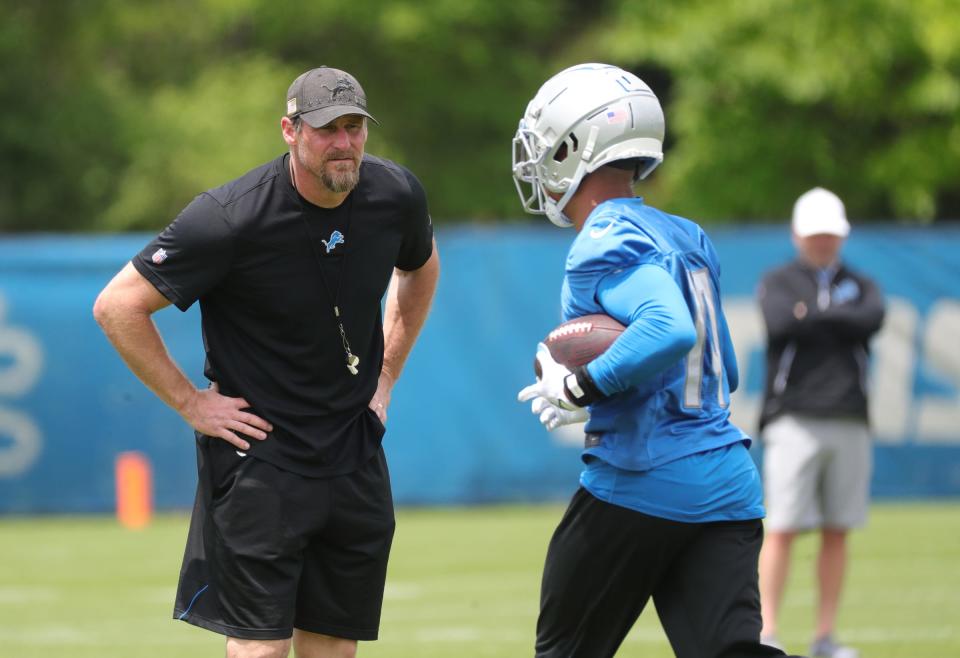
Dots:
{"x": 242, "y": 454}
{"x": 598, "y": 233}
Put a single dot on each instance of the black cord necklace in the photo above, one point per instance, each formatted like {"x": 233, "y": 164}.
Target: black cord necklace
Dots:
{"x": 352, "y": 359}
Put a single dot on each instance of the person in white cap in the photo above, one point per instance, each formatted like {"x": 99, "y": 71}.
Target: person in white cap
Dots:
{"x": 817, "y": 460}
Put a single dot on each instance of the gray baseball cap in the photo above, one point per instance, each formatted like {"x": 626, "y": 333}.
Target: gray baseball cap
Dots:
{"x": 323, "y": 94}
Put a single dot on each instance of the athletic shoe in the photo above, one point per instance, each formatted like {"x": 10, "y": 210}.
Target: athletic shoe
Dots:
{"x": 826, "y": 647}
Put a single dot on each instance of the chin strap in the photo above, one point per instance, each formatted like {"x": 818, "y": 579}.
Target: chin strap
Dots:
{"x": 555, "y": 215}
{"x": 554, "y": 207}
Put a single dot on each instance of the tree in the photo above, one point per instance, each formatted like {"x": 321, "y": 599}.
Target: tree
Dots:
{"x": 117, "y": 113}
{"x": 770, "y": 98}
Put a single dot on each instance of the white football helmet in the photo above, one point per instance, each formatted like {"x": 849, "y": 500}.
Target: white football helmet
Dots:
{"x": 583, "y": 118}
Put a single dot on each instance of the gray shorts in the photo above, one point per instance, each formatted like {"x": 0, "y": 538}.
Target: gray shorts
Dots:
{"x": 816, "y": 473}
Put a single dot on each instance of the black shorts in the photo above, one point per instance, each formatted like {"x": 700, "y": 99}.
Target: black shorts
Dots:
{"x": 605, "y": 562}
{"x": 269, "y": 550}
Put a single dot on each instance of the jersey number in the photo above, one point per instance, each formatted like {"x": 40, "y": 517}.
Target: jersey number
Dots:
{"x": 706, "y": 320}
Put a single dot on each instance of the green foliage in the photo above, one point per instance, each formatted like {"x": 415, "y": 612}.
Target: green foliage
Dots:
{"x": 185, "y": 138}
{"x": 448, "y": 79}
{"x": 56, "y": 144}
{"x": 117, "y": 113}
{"x": 772, "y": 97}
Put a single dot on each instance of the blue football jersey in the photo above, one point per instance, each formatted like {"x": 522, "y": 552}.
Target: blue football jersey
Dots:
{"x": 680, "y": 407}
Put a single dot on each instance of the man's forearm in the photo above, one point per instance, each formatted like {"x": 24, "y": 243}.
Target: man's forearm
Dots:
{"x": 135, "y": 337}
{"x": 408, "y": 303}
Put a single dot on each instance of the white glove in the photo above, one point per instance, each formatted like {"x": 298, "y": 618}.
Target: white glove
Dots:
{"x": 550, "y": 383}
{"x": 552, "y": 416}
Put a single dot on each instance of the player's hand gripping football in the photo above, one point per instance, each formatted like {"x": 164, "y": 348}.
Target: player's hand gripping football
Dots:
{"x": 549, "y": 384}
{"x": 551, "y": 416}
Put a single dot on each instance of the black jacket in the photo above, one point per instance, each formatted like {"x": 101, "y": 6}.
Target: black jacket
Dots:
{"x": 817, "y": 359}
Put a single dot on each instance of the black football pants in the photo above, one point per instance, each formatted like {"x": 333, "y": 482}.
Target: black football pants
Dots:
{"x": 605, "y": 562}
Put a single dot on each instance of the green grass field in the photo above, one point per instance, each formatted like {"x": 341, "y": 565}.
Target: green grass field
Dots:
{"x": 463, "y": 583}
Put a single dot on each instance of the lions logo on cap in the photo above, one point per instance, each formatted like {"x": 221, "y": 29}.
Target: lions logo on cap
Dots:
{"x": 344, "y": 86}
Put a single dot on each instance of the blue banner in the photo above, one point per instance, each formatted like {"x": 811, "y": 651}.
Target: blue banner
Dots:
{"x": 69, "y": 406}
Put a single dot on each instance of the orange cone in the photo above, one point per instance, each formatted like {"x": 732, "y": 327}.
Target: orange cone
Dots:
{"x": 134, "y": 490}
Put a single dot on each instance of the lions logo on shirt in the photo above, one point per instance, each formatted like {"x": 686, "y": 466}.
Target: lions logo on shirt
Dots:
{"x": 335, "y": 238}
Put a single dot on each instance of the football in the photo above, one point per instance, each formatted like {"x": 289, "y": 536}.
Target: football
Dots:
{"x": 581, "y": 340}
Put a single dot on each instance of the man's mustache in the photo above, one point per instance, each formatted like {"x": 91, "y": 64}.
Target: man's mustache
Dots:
{"x": 341, "y": 155}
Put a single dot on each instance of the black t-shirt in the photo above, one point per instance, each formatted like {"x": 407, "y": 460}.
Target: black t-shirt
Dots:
{"x": 251, "y": 251}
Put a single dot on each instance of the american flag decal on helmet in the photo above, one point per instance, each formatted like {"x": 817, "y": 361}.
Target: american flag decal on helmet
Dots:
{"x": 616, "y": 115}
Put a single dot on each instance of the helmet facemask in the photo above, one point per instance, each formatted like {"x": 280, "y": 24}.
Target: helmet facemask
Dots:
{"x": 538, "y": 170}
{"x": 526, "y": 147}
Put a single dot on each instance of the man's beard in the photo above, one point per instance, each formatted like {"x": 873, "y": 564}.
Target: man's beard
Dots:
{"x": 340, "y": 180}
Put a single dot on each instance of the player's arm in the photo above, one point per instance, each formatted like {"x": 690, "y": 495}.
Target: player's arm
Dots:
{"x": 659, "y": 329}
{"x": 123, "y": 310}
{"x": 408, "y": 303}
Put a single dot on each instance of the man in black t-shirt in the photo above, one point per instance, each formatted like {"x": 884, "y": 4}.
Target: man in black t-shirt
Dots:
{"x": 293, "y": 520}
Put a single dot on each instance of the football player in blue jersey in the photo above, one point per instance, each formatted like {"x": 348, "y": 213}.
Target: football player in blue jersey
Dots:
{"x": 670, "y": 502}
